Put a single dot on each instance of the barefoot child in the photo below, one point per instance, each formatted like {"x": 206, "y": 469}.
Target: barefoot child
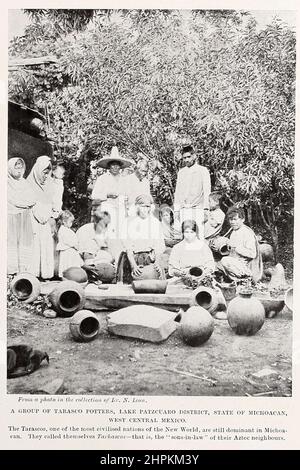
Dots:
{"x": 67, "y": 244}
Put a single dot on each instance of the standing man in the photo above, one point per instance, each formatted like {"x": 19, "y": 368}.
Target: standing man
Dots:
{"x": 136, "y": 184}
{"x": 192, "y": 191}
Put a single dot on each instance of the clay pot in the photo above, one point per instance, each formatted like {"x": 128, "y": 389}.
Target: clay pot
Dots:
{"x": 196, "y": 271}
{"x": 246, "y": 314}
{"x": 75, "y": 274}
{"x": 150, "y": 286}
{"x": 106, "y": 272}
{"x": 206, "y": 298}
{"x": 288, "y": 299}
{"x": 220, "y": 245}
{"x": 84, "y": 326}
{"x": 196, "y": 326}
{"x": 148, "y": 272}
{"x": 229, "y": 290}
{"x": 67, "y": 298}
{"x": 25, "y": 287}
{"x": 267, "y": 252}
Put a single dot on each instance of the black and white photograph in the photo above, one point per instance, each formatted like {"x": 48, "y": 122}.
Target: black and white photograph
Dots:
{"x": 150, "y": 202}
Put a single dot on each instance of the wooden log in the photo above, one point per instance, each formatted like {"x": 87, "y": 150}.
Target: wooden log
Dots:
{"x": 117, "y": 297}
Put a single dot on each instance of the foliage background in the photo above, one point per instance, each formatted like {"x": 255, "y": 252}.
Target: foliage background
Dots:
{"x": 152, "y": 80}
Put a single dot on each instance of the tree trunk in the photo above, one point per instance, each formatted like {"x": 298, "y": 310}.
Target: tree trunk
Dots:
{"x": 249, "y": 216}
{"x": 274, "y": 235}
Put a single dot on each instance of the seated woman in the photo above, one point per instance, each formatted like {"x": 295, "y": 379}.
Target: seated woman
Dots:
{"x": 244, "y": 260}
{"x": 190, "y": 252}
{"x": 170, "y": 227}
{"x": 144, "y": 244}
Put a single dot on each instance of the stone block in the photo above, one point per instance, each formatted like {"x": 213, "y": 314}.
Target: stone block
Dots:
{"x": 143, "y": 322}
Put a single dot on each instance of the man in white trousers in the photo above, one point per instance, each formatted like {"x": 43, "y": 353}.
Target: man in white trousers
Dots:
{"x": 193, "y": 187}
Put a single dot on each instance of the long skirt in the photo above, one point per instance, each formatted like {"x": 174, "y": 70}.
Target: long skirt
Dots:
{"x": 43, "y": 251}
{"x": 19, "y": 242}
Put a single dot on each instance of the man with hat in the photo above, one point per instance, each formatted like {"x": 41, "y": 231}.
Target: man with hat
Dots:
{"x": 193, "y": 187}
{"x": 110, "y": 191}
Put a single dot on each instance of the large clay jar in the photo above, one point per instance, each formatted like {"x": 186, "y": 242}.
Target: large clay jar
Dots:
{"x": 25, "y": 287}
{"x": 246, "y": 314}
{"x": 206, "y": 298}
{"x": 75, "y": 274}
{"x": 196, "y": 326}
{"x": 148, "y": 272}
{"x": 220, "y": 245}
{"x": 84, "y": 326}
{"x": 267, "y": 252}
{"x": 67, "y": 298}
{"x": 106, "y": 272}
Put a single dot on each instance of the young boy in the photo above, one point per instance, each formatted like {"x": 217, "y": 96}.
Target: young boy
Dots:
{"x": 244, "y": 259}
{"x": 215, "y": 217}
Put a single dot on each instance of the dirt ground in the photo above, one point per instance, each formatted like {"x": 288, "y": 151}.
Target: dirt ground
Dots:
{"x": 114, "y": 365}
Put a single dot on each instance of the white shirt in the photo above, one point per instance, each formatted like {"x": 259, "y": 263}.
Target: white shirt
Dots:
{"x": 106, "y": 184}
{"x": 243, "y": 242}
{"x": 145, "y": 234}
{"x": 185, "y": 255}
{"x": 66, "y": 239}
{"x": 135, "y": 187}
{"x": 192, "y": 187}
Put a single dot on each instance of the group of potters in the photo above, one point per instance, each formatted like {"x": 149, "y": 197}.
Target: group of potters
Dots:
{"x": 126, "y": 229}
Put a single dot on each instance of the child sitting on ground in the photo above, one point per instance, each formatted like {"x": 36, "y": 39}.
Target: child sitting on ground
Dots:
{"x": 214, "y": 218}
{"x": 67, "y": 246}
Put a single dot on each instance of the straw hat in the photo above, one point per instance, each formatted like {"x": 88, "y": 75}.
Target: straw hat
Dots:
{"x": 114, "y": 157}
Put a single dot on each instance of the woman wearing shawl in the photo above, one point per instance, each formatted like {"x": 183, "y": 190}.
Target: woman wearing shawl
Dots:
{"x": 43, "y": 251}
{"x": 20, "y": 199}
